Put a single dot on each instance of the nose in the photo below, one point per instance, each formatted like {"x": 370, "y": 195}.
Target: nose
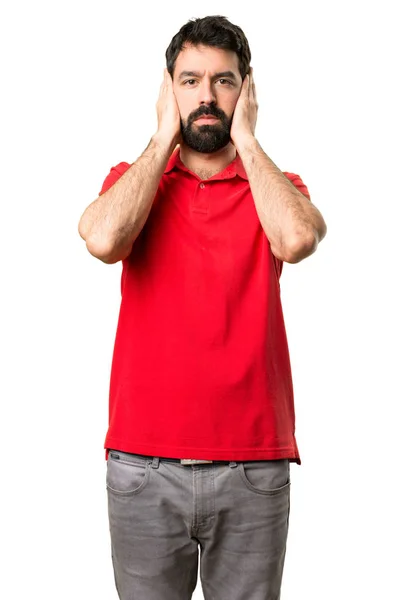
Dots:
{"x": 206, "y": 92}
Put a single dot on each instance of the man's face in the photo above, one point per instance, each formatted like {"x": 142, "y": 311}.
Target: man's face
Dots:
{"x": 207, "y": 85}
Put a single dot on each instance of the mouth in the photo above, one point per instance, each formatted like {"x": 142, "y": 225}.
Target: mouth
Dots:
{"x": 207, "y": 120}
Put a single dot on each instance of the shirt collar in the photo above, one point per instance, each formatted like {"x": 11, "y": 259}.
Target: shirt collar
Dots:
{"x": 234, "y": 168}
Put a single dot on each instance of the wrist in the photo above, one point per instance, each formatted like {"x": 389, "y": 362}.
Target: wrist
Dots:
{"x": 245, "y": 141}
{"x": 165, "y": 142}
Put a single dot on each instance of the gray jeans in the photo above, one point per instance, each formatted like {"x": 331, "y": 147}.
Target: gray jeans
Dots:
{"x": 161, "y": 512}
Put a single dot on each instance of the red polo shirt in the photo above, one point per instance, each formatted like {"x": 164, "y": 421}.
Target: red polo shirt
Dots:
{"x": 201, "y": 366}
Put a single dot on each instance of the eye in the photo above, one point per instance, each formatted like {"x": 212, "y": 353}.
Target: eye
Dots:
{"x": 225, "y": 81}
{"x": 189, "y": 81}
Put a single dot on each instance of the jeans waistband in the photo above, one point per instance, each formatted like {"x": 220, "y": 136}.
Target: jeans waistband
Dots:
{"x": 183, "y": 461}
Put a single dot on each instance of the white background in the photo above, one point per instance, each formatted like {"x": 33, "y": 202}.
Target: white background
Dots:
{"x": 80, "y": 82}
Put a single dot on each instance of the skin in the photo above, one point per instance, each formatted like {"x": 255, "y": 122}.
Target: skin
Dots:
{"x": 184, "y": 94}
{"x": 292, "y": 224}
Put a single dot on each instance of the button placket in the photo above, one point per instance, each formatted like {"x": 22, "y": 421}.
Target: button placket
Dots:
{"x": 200, "y": 202}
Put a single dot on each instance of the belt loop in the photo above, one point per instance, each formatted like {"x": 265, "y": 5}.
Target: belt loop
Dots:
{"x": 233, "y": 464}
{"x": 155, "y": 462}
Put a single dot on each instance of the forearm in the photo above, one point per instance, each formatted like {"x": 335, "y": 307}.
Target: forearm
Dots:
{"x": 293, "y": 225}
{"x": 111, "y": 223}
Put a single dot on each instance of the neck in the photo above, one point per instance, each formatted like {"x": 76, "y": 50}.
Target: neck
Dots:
{"x": 207, "y": 165}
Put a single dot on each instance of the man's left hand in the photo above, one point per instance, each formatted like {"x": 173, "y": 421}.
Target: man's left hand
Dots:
{"x": 245, "y": 115}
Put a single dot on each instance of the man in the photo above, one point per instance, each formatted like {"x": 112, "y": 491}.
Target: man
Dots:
{"x": 201, "y": 422}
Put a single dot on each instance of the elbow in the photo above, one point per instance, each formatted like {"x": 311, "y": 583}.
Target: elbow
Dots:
{"x": 99, "y": 245}
{"x": 100, "y": 251}
{"x": 108, "y": 253}
{"x": 300, "y": 248}
{"x": 96, "y": 248}
{"x": 303, "y": 245}
{"x": 99, "y": 248}
{"x": 82, "y": 228}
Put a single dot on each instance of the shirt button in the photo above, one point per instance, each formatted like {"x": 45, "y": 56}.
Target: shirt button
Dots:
{"x": 202, "y": 186}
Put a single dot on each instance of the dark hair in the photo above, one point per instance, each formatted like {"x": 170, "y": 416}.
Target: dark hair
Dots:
{"x": 213, "y": 31}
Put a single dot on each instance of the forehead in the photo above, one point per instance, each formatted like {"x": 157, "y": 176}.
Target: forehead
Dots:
{"x": 207, "y": 60}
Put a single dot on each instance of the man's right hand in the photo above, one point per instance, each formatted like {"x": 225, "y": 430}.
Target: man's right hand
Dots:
{"x": 169, "y": 122}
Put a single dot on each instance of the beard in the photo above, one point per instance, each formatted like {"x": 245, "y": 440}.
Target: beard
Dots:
{"x": 207, "y": 138}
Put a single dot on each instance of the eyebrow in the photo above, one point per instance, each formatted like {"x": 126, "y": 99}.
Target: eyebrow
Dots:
{"x": 230, "y": 74}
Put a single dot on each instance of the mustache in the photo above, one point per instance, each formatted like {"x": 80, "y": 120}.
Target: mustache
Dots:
{"x": 206, "y": 110}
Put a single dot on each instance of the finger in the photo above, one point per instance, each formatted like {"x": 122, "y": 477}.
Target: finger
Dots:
{"x": 252, "y": 84}
{"x": 253, "y": 89}
{"x": 167, "y": 81}
{"x": 162, "y": 86}
{"x": 255, "y": 95}
{"x": 245, "y": 86}
{"x": 168, "y": 76}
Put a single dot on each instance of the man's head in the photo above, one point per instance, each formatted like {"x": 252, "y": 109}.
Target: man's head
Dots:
{"x": 207, "y": 59}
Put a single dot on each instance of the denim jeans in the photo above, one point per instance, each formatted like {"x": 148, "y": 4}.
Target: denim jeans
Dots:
{"x": 163, "y": 514}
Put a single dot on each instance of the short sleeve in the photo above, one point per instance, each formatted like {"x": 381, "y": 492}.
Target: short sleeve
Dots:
{"x": 298, "y": 183}
{"x": 113, "y": 176}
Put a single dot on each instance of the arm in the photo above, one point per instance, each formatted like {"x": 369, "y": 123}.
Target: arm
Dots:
{"x": 111, "y": 223}
{"x": 293, "y": 225}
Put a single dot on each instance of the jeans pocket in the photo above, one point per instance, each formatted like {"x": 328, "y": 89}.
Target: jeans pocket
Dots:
{"x": 126, "y": 475}
{"x": 269, "y": 477}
